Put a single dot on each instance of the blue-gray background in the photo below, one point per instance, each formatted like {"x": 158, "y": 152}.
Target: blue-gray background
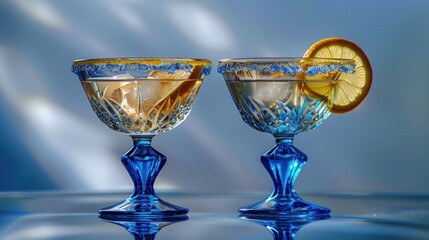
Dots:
{"x": 50, "y": 138}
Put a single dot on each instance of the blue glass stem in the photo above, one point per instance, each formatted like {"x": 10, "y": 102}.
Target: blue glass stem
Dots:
{"x": 283, "y": 234}
{"x": 284, "y": 162}
{"x": 143, "y": 163}
{"x": 140, "y": 236}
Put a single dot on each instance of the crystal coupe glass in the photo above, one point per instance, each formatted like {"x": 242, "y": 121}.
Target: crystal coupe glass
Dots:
{"x": 276, "y": 96}
{"x": 142, "y": 97}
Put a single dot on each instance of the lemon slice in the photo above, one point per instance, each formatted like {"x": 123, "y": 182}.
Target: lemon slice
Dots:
{"x": 349, "y": 90}
{"x": 169, "y": 86}
{"x": 173, "y": 93}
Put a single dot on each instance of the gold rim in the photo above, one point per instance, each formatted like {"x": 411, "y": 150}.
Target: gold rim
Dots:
{"x": 148, "y": 61}
{"x": 292, "y": 60}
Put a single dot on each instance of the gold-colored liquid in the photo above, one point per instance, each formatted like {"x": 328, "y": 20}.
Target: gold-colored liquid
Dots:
{"x": 141, "y": 106}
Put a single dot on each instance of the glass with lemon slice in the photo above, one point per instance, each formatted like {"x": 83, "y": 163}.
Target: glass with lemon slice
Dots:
{"x": 287, "y": 96}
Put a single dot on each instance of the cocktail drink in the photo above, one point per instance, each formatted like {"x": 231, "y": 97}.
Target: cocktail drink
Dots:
{"x": 141, "y": 106}
{"x": 285, "y": 97}
{"x": 273, "y": 96}
{"x": 281, "y": 107}
{"x": 142, "y": 97}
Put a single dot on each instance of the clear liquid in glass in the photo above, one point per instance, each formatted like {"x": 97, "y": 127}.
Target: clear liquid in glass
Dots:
{"x": 279, "y": 107}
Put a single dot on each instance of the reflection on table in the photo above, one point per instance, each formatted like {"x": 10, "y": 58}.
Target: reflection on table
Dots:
{"x": 146, "y": 228}
{"x": 68, "y": 216}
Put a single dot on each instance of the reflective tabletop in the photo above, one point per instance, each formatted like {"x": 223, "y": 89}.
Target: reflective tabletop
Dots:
{"x": 212, "y": 216}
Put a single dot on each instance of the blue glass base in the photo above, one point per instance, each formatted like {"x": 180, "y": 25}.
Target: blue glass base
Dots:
{"x": 144, "y": 207}
{"x": 143, "y": 163}
{"x": 284, "y": 162}
{"x": 285, "y": 208}
{"x": 145, "y": 229}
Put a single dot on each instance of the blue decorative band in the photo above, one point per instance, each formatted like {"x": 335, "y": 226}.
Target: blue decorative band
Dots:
{"x": 287, "y": 68}
{"x": 169, "y": 68}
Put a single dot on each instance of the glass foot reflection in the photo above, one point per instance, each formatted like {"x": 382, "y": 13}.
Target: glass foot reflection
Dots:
{"x": 283, "y": 229}
{"x": 148, "y": 228}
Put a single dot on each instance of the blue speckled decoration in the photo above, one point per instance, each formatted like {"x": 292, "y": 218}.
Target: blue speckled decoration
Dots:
{"x": 94, "y": 69}
{"x": 287, "y": 68}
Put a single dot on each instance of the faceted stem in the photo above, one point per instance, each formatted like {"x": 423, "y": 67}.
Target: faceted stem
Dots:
{"x": 284, "y": 162}
{"x": 142, "y": 235}
{"x": 143, "y": 163}
{"x": 283, "y": 234}
{"x": 138, "y": 236}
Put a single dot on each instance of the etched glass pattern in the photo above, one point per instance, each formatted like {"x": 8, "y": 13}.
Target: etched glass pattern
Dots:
{"x": 277, "y": 107}
{"x": 142, "y": 106}
{"x": 282, "y": 96}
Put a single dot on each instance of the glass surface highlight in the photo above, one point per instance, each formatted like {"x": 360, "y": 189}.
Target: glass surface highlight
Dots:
{"x": 281, "y": 96}
{"x": 142, "y": 97}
